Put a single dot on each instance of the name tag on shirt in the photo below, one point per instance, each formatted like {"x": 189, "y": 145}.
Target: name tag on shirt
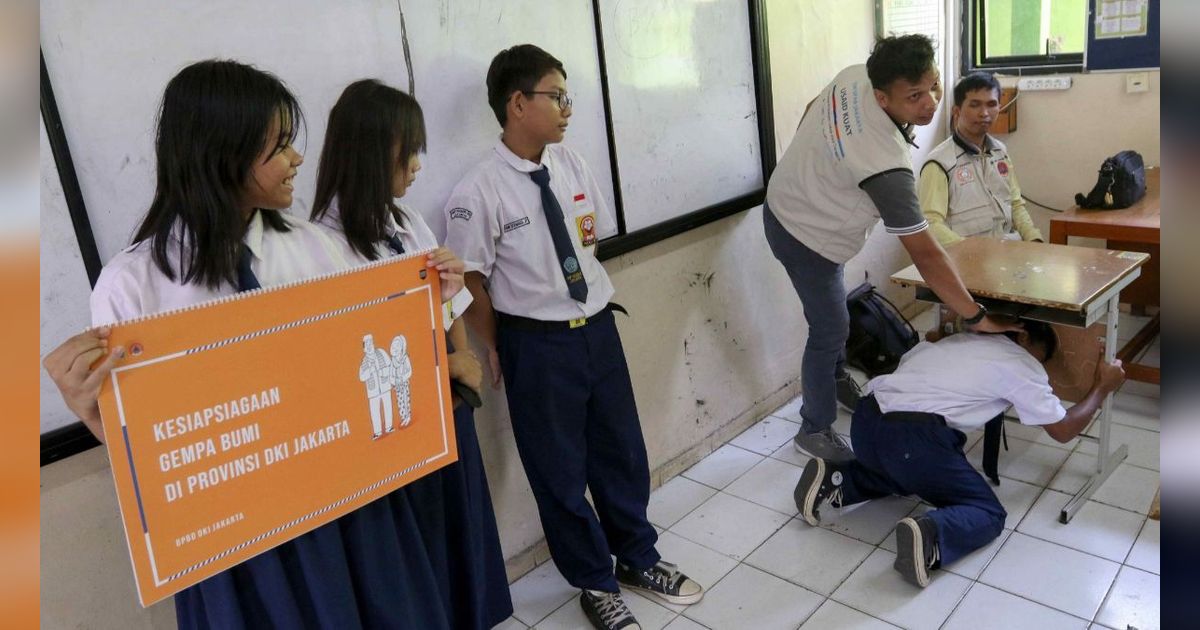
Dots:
{"x": 519, "y": 223}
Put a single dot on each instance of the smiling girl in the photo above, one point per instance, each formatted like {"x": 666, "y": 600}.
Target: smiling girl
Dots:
{"x": 225, "y": 167}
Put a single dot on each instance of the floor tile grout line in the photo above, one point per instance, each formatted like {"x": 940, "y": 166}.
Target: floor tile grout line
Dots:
{"x": 790, "y": 581}
{"x": 971, "y": 584}
{"x": 1037, "y": 602}
{"x": 1107, "y": 594}
{"x": 1044, "y": 605}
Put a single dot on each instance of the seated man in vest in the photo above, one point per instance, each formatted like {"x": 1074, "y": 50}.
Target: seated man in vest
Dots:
{"x": 968, "y": 186}
{"x": 908, "y": 434}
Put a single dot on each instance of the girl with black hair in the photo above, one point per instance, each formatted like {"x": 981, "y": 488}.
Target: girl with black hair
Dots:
{"x": 370, "y": 158}
{"x": 225, "y": 165}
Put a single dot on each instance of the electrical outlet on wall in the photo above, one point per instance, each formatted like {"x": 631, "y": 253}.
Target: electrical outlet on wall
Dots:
{"x": 1137, "y": 82}
{"x": 1044, "y": 83}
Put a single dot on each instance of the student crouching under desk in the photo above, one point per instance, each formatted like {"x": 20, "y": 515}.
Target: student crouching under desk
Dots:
{"x": 909, "y": 430}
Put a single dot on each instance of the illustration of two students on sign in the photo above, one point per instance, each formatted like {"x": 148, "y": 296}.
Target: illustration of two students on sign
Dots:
{"x": 382, "y": 374}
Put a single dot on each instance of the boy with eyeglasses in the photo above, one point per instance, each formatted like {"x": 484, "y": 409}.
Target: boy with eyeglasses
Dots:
{"x": 526, "y": 222}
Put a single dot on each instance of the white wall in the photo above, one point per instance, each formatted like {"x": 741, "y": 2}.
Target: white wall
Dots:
{"x": 714, "y": 343}
{"x": 1062, "y": 137}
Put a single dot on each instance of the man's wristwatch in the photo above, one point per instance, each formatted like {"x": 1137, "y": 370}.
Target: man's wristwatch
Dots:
{"x": 978, "y": 317}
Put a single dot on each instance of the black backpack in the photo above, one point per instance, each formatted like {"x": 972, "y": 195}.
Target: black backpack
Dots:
{"x": 879, "y": 334}
{"x": 1121, "y": 184}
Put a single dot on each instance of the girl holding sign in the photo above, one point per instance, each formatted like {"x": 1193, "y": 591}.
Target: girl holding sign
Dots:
{"x": 225, "y": 166}
{"x": 369, "y": 159}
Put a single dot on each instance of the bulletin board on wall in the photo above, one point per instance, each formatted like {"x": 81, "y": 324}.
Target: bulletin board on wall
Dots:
{"x": 1122, "y": 34}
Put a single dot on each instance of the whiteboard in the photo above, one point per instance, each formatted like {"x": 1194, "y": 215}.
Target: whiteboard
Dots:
{"x": 109, "y": 62}
{"x": 64, "y": 284}
{"x": 681, "y": 91}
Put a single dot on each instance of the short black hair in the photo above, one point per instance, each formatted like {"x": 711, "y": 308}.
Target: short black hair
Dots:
{"x": 1040, "y": 334}
{"x": 213, "y": 123}
{"x": 972, "y": 82}
{"x": 906, "y": 57}
{"x": 517, "y": 69}
{"x": 368, "y": 122}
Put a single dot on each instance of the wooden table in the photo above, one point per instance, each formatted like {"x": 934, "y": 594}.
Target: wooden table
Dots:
{"x": 1075, "y": 286}
{"x": 1135, "y": 228}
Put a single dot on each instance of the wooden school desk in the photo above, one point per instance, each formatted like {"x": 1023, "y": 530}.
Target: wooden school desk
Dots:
{"x": 1135, "y": 228}
{"x": 1059, "y": 284}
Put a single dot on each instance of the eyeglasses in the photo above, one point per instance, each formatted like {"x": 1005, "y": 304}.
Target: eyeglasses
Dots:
{"x": 564, "y": 101}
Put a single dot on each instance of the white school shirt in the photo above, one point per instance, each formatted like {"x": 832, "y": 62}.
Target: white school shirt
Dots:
{"x": 969, "y": 379}
{"x": 414, "y": 236}
{"x": 131, "y": 285}
{"x": 495, "y": 222}
{"x": 845, "y": 139}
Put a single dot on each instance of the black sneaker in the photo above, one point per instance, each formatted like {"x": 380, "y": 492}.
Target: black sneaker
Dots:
{"x": 825, "y": 444}
{"x": 607, "y": 611}
{"x": 820, "y": 481}
{"x": 848, "y": 392}
{"x": 663, "y": 580}
{"x": 916, "y": 549}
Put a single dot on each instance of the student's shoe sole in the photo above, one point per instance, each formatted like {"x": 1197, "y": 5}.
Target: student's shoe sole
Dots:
{"x": 806, "y": 490}
{"x": 910, "y": 553}
{"x": 678, "y": 600}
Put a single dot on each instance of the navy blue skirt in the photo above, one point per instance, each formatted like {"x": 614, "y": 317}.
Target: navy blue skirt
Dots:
{"x": 426, "y": 556}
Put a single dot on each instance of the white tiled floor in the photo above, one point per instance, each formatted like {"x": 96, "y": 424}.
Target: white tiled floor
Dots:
{"x": 730, "y": 522}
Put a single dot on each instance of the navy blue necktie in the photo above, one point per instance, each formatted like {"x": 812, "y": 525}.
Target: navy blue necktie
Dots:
{"x": 245, "y": 275}
{"x": 395, "y": 245}
{"x": 567, "y": 261}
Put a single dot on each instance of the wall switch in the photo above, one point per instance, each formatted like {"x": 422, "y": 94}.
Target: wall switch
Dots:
{"x": 1137, "y": 82}
{"x": 1044, "y": 83}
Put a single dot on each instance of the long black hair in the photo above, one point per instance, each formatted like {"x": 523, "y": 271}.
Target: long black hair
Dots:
{"x": 358, "y": 162}
{"x": 212, "y": 126}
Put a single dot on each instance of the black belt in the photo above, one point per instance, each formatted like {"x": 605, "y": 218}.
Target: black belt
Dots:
{"x": 516, "y": 322}
{"x": 914, "y": 417}
{"x": 911, "y": 417}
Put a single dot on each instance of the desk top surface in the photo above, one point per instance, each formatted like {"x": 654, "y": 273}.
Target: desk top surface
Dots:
{"x": 1143, "y": 214}
{"x": 1041, "y": 274}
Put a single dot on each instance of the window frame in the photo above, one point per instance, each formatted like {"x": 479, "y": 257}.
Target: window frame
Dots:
{"x": 974, "y": 38}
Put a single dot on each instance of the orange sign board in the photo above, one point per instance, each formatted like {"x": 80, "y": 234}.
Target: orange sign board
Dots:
{"x": 236, "y": 425}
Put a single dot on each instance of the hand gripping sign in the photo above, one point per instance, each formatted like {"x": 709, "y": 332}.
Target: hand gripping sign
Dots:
{"x": 236, "y": 425}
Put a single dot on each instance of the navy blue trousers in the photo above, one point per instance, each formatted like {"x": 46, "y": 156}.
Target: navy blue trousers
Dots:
{"x": 576, "y": 428}
{"x": 902, "y": 458}
{"x": 425, "y": 557}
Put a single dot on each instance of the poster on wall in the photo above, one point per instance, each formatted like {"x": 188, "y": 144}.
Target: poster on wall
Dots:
{"x": 236, "y": 425}
{"x": 1121, "y": 18}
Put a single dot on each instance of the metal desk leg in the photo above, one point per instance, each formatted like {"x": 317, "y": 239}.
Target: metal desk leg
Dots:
{"x": 1106, "y": 462}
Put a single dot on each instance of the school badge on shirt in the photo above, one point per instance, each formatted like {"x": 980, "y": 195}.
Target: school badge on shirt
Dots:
{"x": 585, "y": 223}
{"x": 964, "y": 174}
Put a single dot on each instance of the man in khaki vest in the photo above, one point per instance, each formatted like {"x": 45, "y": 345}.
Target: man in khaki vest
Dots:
{"x": 968, "y": 186}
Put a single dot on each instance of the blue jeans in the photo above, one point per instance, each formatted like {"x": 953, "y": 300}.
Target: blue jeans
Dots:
{"x": 900, "y": 458}
{"x": 818, "y": 282}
